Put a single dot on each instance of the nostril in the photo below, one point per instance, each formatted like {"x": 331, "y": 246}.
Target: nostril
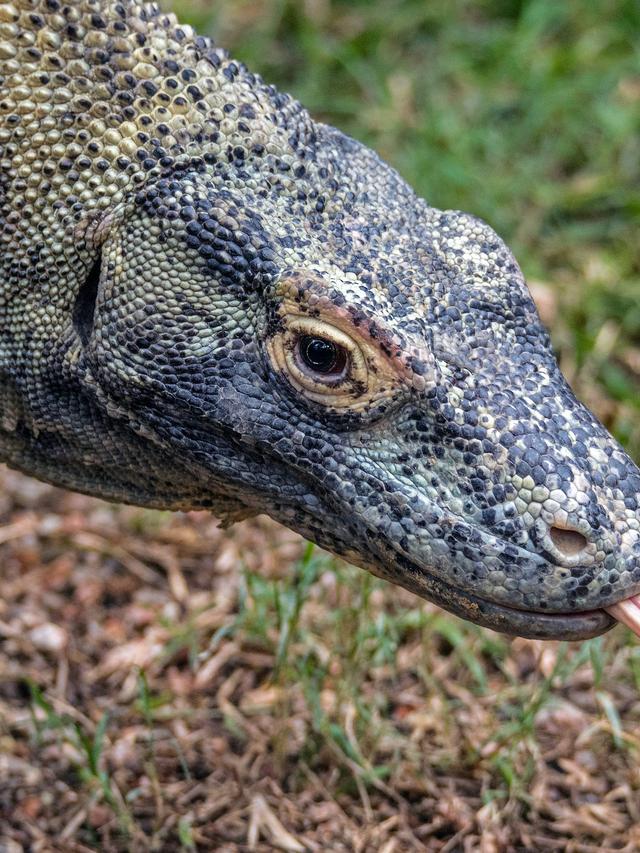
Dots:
{"x": 569, "y": 542}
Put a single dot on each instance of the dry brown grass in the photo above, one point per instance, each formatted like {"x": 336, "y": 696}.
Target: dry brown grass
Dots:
{"x": 155, "y": 695}
{"x": 166, "y": 686}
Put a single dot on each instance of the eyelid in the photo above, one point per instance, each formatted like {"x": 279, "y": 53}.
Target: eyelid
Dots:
{"x": 339, "y": 390}
{"x": 381, "y": 368}
{"x": 310, "y": 327}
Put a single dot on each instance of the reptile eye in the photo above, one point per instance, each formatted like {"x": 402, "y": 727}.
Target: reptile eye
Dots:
{"x": 322, "y": 356}
{"x": 321, "y": 361}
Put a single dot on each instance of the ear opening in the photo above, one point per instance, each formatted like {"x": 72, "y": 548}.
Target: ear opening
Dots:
{"x": 85, "y": 304}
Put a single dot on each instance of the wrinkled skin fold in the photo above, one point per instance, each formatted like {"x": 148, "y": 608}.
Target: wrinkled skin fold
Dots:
{"x": 172, "y": 229}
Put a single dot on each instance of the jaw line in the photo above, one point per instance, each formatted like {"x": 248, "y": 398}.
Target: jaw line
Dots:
{"x": 580, "y": 625}
{"x": 532, "y": 624}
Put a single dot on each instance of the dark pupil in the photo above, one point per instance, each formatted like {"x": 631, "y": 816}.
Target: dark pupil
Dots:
{"x": 318, "y": 354}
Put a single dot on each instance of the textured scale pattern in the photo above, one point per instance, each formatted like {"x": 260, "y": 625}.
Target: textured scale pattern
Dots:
{"x": 171, "y": 228}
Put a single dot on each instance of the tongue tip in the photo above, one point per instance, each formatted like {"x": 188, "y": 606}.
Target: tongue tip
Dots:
{"x": 627, "y": 612}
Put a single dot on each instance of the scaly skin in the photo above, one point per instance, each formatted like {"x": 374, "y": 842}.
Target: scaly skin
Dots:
{"x": 177, "y": 237}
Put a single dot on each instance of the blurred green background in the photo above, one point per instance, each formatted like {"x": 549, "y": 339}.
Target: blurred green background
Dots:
{"x": 526, "y": 114}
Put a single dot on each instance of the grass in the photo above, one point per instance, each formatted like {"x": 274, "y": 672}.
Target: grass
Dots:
{"x": 167, "y": 686}
{"x": 260, "y": 691}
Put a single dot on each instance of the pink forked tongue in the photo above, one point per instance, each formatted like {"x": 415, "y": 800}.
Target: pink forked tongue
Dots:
{"x": 627, "y": 612}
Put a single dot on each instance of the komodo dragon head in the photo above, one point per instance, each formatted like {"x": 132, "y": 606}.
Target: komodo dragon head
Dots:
{"x": 210, "y": 300}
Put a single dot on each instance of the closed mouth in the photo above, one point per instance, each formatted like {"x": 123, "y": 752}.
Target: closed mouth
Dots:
{"x": 541, "y": 626}
{"x": 578, "y": 625}
{"x": 516, "y": 621}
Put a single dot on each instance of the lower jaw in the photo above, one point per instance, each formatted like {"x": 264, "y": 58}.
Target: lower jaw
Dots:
{"x": 539, "y": 626}
{"x": 508, "y": 620}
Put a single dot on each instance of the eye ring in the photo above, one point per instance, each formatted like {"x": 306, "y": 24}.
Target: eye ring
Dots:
{"x": 320, "y": 361}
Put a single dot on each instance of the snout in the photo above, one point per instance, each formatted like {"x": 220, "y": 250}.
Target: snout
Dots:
{"x": 520, "y": 593}
{"x": 546, "y": 568}
{"x": 519, "y": 514}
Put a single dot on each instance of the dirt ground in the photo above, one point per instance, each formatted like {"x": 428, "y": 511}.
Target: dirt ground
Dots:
{"x": 165, "y": 685}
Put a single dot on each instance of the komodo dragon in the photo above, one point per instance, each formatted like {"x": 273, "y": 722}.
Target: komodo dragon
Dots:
{"x": 208, "y": 299}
